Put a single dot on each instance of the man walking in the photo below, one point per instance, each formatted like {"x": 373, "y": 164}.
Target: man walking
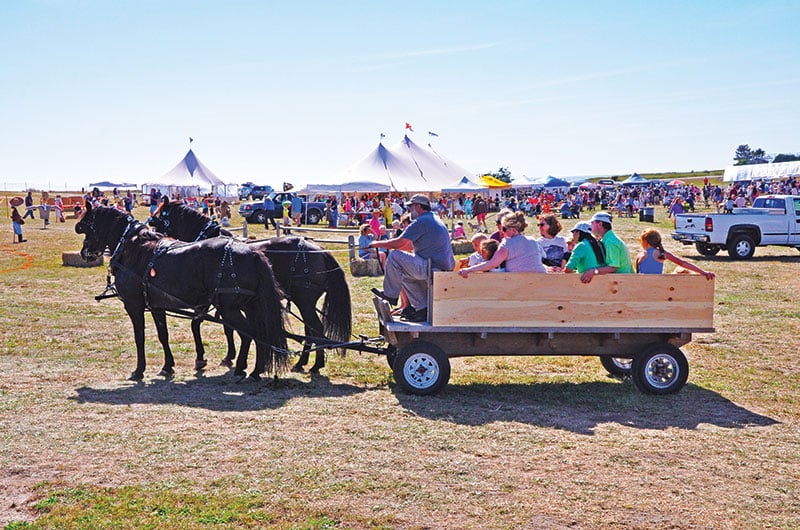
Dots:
{"x": 269, "y": 213}
{"x": 409, "y": 271}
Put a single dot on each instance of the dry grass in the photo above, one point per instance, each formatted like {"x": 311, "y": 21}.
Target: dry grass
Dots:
{"x": 512, "y": 442}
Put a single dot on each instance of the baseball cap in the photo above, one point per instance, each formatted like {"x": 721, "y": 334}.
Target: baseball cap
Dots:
{"x": 603, "y": 217}
{"x": 421, "y": 199}
{"x": 582, "y": 227}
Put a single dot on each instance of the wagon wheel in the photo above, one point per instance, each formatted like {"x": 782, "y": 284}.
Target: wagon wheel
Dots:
{"x": 660, "y": 369}
{"x": 618, "y": 366}
{"x": 391, "y": 355}
{"x": 421, "y": 368}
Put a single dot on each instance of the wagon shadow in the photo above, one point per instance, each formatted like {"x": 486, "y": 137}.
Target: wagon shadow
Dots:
{"x": 581, "y": 407}
{"x": 219, "y": 393}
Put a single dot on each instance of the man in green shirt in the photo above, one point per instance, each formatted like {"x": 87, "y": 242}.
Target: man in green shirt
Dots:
{"x": 618, "y": 260}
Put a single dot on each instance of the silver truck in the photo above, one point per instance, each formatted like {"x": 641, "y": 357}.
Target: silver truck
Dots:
{"x": 773, "y": 220}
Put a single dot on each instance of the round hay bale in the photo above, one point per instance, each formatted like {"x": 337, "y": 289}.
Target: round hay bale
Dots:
{"x": 462, "y": 246}
{"x": 365, "y": 267}
{"x": 74, "y": 259}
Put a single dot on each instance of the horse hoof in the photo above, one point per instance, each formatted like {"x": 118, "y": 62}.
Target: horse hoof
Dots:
{"x": 226, "y": 362}
{"x": 298, "y": 369}
{"x": 135, "y": 377}
{"x": 314, "y": 370}
{"x": 199, "y": 365}
{"x": 165, "y": 372}
{"x": 255, "y": 377}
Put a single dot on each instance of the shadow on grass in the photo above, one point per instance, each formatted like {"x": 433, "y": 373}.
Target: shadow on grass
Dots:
{"x": 580, "y": 407}
{"x": 218, "y": 393}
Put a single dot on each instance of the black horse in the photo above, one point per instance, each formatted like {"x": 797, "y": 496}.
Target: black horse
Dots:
{"x": 304, "y": 271}
{"x": 155, "y": 272}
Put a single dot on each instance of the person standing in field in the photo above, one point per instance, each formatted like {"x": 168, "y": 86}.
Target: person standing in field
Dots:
{"x": 16, "y": 222}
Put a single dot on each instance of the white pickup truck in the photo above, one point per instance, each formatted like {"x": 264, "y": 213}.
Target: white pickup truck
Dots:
{"x": 773, "y": 220}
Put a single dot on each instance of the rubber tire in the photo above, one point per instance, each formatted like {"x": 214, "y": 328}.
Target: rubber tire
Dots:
{"x": 259, "y": 217}
{"x": 391, "y": 355}
{"x": 617, "y": 366}
{"x": 739, "y": 243}
{"x": 421, "y": 368}
{"x": 313, "y": 217}
{"x": 660, "y": 369}
{"x": 707, "y": 250}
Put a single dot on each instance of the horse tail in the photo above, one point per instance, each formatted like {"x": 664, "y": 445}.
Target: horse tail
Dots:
{"x": 271, "y": 323}
{"x": 337, "y": 314}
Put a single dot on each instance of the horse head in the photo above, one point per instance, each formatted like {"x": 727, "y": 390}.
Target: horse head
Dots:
{"x": 101, "y": 226}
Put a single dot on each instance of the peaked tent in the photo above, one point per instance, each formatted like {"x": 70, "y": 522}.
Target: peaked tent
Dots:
{"x": 188, "y": 177}
{"x": 463, "y": 186}
{"x": 405, "y": 167}
{"x": 553, "y": 182}
{"x": 634, "y": 180}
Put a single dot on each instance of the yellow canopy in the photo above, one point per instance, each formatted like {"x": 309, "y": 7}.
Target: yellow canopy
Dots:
{"x": 492, "y": 182}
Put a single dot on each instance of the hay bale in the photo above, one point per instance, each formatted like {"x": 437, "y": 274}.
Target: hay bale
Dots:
{"x": 74, "y": 259}
{"x": 462, "y": 246}
{"x": 365, "y": 267}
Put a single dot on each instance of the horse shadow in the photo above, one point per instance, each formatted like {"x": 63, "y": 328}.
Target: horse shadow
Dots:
{"x": 221, "y": 393}
{"x": 581, "y": 407}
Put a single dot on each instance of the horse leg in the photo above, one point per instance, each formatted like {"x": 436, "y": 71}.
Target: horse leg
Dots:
{"x": 160, "y": 318}
{"x": 238, "y": 321}
{"x": 313, "y": 328}
{"x": 137, "y": 319}
{"x": 231, "y": 355}
{"x": 199, "y": 361}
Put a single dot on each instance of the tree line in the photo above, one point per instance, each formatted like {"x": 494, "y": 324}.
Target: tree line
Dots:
{"x": 744, "y": 155}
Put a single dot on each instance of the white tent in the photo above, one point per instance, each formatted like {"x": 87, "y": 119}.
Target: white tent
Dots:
{"x": 405, "y": 167}
{"x": 761, "y": 171}
{"x": 465, "y": 185}
{"x": 188, "y": 177}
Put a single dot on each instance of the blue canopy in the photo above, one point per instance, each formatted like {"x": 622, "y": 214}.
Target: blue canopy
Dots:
{"x": 554, "y": 182}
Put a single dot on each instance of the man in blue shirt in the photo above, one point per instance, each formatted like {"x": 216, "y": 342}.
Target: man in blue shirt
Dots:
{"x": 409, "y": 271}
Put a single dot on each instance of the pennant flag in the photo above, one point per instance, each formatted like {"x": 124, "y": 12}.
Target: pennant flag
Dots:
{"x": 191, "y": 139}
{"x": 433, "y": 134}
{"x": 383, "y": 136}
{"x": 408, "y": 126}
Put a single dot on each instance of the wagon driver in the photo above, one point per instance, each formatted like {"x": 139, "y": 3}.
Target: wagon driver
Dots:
{"x": 409, "y": 271}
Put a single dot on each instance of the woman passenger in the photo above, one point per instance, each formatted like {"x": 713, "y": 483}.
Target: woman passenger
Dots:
{"x": 519, "y": 252}
{"x": 554, "y": 246}
{"x": 587, "y": 252}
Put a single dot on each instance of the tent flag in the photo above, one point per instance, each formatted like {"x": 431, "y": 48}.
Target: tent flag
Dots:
{"x": 433, "y": 134}
{"x": 408, "y": 126}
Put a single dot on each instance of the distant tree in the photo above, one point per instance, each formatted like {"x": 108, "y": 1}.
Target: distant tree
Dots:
{"x": 783, "y": 157}
{"x": 744, "y": 156}
{"x": 502, "y": 174}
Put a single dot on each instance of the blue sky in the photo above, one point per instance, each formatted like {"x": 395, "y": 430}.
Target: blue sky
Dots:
{"x": 298, "y": 91}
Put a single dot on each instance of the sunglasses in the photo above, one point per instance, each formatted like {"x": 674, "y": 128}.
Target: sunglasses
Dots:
{"x": 542, "y": 224}
{"x": 504, "y": 228}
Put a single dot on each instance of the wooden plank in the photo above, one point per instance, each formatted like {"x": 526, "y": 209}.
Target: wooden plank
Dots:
{"x": 522, "y": 300}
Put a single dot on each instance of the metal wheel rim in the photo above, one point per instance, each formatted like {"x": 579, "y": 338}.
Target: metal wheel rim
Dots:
{"x": 622, "y": 362}
{"x": 742, "y": 248}
{"x": 662, "y": 371}
{"x": 421, "y": 371}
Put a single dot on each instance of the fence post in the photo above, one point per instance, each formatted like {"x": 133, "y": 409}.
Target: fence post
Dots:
{"x": 351, "y": 245}
{"x": 244, "y": 229}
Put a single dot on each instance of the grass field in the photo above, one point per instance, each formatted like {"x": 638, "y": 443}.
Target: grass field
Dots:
{"x": 511, "y": 442}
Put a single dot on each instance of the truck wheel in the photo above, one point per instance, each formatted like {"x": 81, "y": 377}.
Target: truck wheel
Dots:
{"x": 618, "y": 366}
{"x": 259, "y": 217}
{"x": 660, "y": 369}
{"x": 421, "y": 368}
{"x": 741, "y": 246}
{"x": 313, "y": 217}
{"x": 707, "y": 250}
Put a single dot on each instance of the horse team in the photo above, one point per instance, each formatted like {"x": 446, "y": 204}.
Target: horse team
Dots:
{"x": 188, "y": 265}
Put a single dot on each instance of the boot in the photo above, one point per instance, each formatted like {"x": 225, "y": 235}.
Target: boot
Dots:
{"x": 19, "y": 236}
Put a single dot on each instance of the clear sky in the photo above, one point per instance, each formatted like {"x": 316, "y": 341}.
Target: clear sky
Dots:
{"x": 298, "y": 91}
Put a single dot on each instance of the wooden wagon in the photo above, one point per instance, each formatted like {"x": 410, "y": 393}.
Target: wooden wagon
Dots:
{"x": 636, "y": 324}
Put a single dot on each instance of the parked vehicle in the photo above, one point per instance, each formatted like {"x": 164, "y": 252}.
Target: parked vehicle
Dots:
{"x": 249, "y": 190}
{"x": 253, "y": 211}
{"x": 773, "y": 220}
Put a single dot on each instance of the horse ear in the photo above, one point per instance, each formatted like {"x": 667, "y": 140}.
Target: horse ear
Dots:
{"x": 88, "y": 206}
{"x": 165, "y": 199}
